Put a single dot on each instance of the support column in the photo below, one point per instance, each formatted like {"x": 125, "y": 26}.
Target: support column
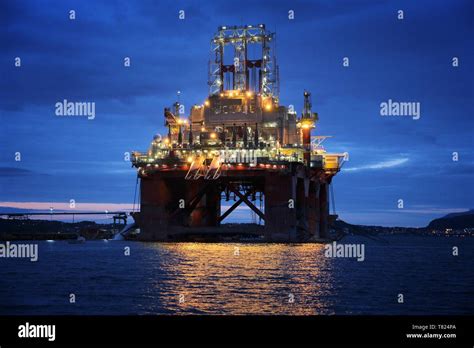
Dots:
{"x": 280, "y": 219}
{"x": 196, "y": 216}
{"x": 324, "y": 211}
{"x": 156, "y": 198}
{"x": 313, "y": 210}
{"x": 301, "y": 210}
{"x": 206, "y": 211}
{"x": 213, "y": 205}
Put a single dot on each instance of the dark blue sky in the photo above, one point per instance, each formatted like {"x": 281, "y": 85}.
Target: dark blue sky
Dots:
{"x": 391, "y": 158}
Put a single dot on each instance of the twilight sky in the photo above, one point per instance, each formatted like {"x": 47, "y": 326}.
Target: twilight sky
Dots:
{"x": 391, "y": 157}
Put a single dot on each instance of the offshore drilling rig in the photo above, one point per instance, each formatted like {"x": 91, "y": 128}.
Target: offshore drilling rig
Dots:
{"x": 239, "y": 145}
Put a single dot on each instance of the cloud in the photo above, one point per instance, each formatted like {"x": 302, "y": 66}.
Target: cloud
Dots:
{"x": 380, "y": 165}
{"x": 12, "y": 171}
{"x": 430, "y": 211}
{"x": 65, "y": 206}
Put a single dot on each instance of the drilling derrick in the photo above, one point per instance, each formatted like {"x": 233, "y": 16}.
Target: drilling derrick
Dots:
{"x": 241, "y": 143}
{"x": 307, "y": 123}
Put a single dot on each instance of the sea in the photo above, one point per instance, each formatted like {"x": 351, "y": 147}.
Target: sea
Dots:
{"x": 399, "y": 275}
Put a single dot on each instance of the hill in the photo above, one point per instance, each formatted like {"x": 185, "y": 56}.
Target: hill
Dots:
{"x": 454, "y": 221}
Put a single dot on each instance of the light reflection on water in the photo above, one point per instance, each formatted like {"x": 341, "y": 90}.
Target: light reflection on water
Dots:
{"x": 261, "y": 278}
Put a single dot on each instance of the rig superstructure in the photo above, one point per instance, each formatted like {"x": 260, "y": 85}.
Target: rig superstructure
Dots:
{"x": 239, "y": 143}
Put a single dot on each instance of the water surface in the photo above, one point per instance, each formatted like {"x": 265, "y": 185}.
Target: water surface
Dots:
{"x": 220, "y": 278}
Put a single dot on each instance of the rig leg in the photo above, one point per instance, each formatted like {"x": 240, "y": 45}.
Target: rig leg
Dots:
{"x": 280, "y": 218}
{"x": 203, "y": 203}
{"x": 156, "y": 199}
{"x": 301, "y": 212}
{"x": 195, "y": 195}
{"x": 313, "y": 210}
{"x": 213, "y": 205}
{"x": 323, "y": 211}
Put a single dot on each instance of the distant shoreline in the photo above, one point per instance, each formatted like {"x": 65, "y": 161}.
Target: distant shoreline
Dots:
{"x": 30, "y": 229}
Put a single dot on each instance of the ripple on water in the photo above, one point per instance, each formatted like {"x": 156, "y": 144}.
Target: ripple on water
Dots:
{"x": 210, "y": 278}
